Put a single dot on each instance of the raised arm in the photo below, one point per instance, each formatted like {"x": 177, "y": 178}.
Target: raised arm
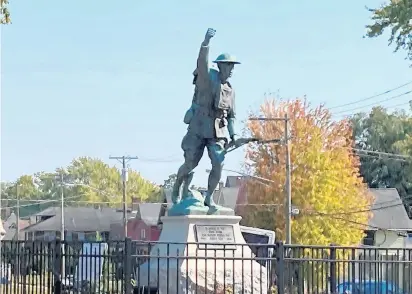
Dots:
{"x": 202, "y": 70}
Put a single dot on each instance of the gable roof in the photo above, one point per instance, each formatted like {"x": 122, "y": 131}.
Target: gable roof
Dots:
{"x": 227, "y": 197}
{"x": 149, "y": 213}
{"x": 388, "y": 211}
{"x": 233, "y": 181}
{"x": 50, "y": 211}
{"x": 78, "y": 219}
{"x": 11, "y": 229}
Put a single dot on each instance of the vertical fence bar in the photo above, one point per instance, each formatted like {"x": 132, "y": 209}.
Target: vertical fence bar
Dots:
{"x": 332, "y": 269}
{"x": 36, "y": 267}
{"x": 280, "y": 252}
{"x": 57, "y": 266}
{"x": 128, "y": 265}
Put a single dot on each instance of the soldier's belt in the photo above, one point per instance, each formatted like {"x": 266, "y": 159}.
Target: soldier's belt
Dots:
{"x": 212, "y": 113}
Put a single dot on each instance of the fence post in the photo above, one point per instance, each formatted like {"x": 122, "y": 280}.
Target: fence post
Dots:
{"x": 127, "y": 265}
{"x": 332, "y": 269}
{"x": 57, "y": 267}
{"x": 280, "y": 267}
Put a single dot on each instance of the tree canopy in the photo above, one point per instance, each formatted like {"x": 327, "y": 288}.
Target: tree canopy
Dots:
{"x": 4, "y": 12}
{"x": 390, "y": 133}
{"x": 326, "y": 185}
{"x": 395, "y": 16}
{"x": 86, "y": 181}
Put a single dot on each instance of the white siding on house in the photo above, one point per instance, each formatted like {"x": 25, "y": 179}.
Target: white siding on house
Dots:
{"x": 389, "y": 239}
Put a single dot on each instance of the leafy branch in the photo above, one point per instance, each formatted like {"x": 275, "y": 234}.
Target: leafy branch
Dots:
{"x": 4, "y": 12}
{"x": 396, "y": 16}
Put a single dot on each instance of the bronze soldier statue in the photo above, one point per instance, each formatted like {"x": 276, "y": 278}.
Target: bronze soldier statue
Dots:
{"x": 211, "y": 118}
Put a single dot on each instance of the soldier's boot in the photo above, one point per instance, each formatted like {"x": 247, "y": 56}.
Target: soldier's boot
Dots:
{"x": 214, "y": 178}
{"x": 209, "y": 200}
{"x": 182, "y": 174}
{"x": 176, "y": 189}
{"x": 186, "y": 184}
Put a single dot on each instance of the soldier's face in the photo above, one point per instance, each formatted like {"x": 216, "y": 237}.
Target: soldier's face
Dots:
{"x": 226, "y": 70}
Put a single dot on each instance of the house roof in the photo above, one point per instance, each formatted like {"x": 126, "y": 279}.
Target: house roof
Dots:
{"x": 227, "y": 197}
{"x": 149, "y": 213}
{"x": 78, "y": 219}
{"x": 51, "y": 211}
{"x": 388, "y": 211}
{"x": 11, "y": 229}
{"x": 233, "y": 181}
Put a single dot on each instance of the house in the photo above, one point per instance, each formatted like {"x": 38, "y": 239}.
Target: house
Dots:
{"x": 80, "y": 223}
{"x": 10, "y": 227}
{"x": 391, "y": 229}
{"x": 234, "y": 181}
{"x": 2, "y": 231}
{"x": 390, "y": 226}
{"x": 145, "y": 226}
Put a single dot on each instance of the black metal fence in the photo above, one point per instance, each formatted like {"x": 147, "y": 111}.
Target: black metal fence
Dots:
{"x": 33, "y": 267}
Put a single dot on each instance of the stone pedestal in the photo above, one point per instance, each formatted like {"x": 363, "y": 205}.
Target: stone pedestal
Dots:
{"x": 179, "y": 265}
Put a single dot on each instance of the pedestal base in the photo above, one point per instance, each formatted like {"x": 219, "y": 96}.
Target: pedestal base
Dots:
{"x": 220, "y": 260}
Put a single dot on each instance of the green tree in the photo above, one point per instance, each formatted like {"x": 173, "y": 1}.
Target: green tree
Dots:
{"x": 385, "y": 132}
{"x": 106, "y": 182}
{"x": 168, "y": 184}
{"x": 27, "y": 190}
{"x": 85, "y": 180}
{"x": 4, "y": 12}
{"x": 395, "y": 16}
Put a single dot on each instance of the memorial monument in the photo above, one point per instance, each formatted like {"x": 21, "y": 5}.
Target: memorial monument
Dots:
{"x": 201, "y": 247}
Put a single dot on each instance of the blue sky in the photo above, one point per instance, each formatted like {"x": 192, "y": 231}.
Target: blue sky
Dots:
{"x": 84, "y": 79}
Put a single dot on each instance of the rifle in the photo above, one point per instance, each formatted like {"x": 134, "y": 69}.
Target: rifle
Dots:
{"x": 243, "y": 141}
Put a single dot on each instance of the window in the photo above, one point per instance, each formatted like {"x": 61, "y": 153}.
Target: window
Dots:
{"x": 81, "y": 236}
{"x": 369, "y": 239}
{"x": 69, "y": 236}
{"x": 142, "y": 234}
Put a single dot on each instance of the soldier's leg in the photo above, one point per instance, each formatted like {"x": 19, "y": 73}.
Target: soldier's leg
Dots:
{"x": 193, "y": 147}
{"x": 217, "y": 156}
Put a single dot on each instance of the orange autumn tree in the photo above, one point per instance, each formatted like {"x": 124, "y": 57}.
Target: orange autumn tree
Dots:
{"x": 326, "y": 185}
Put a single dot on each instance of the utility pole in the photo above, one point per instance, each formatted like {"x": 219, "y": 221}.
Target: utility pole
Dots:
{"x": 18, "y": 211}
{"x": 62, "y": 229}
{"x": 288, "y": 183}
{"x": 124, "y": 160}
{"x": 288, "y": 206}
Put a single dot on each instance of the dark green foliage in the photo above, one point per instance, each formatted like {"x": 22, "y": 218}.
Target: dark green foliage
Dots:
{"x": 395, "y": 16}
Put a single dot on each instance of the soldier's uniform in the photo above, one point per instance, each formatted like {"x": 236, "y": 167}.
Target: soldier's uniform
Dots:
{"x": 211, "y": 116}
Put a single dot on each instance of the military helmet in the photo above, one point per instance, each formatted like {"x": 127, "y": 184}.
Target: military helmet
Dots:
{"x": 226, "y": 58}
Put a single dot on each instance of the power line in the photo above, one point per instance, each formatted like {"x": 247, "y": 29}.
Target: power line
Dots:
{"x": 241, "y": 204}
{"x": 400, "y": 156}
{"x": 386, "y": 107}
{"x": 362, "y": 227}
{"x": 371, "y": 97}
{"x": 375, "y": 103}
{"x": 363, "y": 210}
{"x": 39, "y": 202}
{"x": 383, "y": 153}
